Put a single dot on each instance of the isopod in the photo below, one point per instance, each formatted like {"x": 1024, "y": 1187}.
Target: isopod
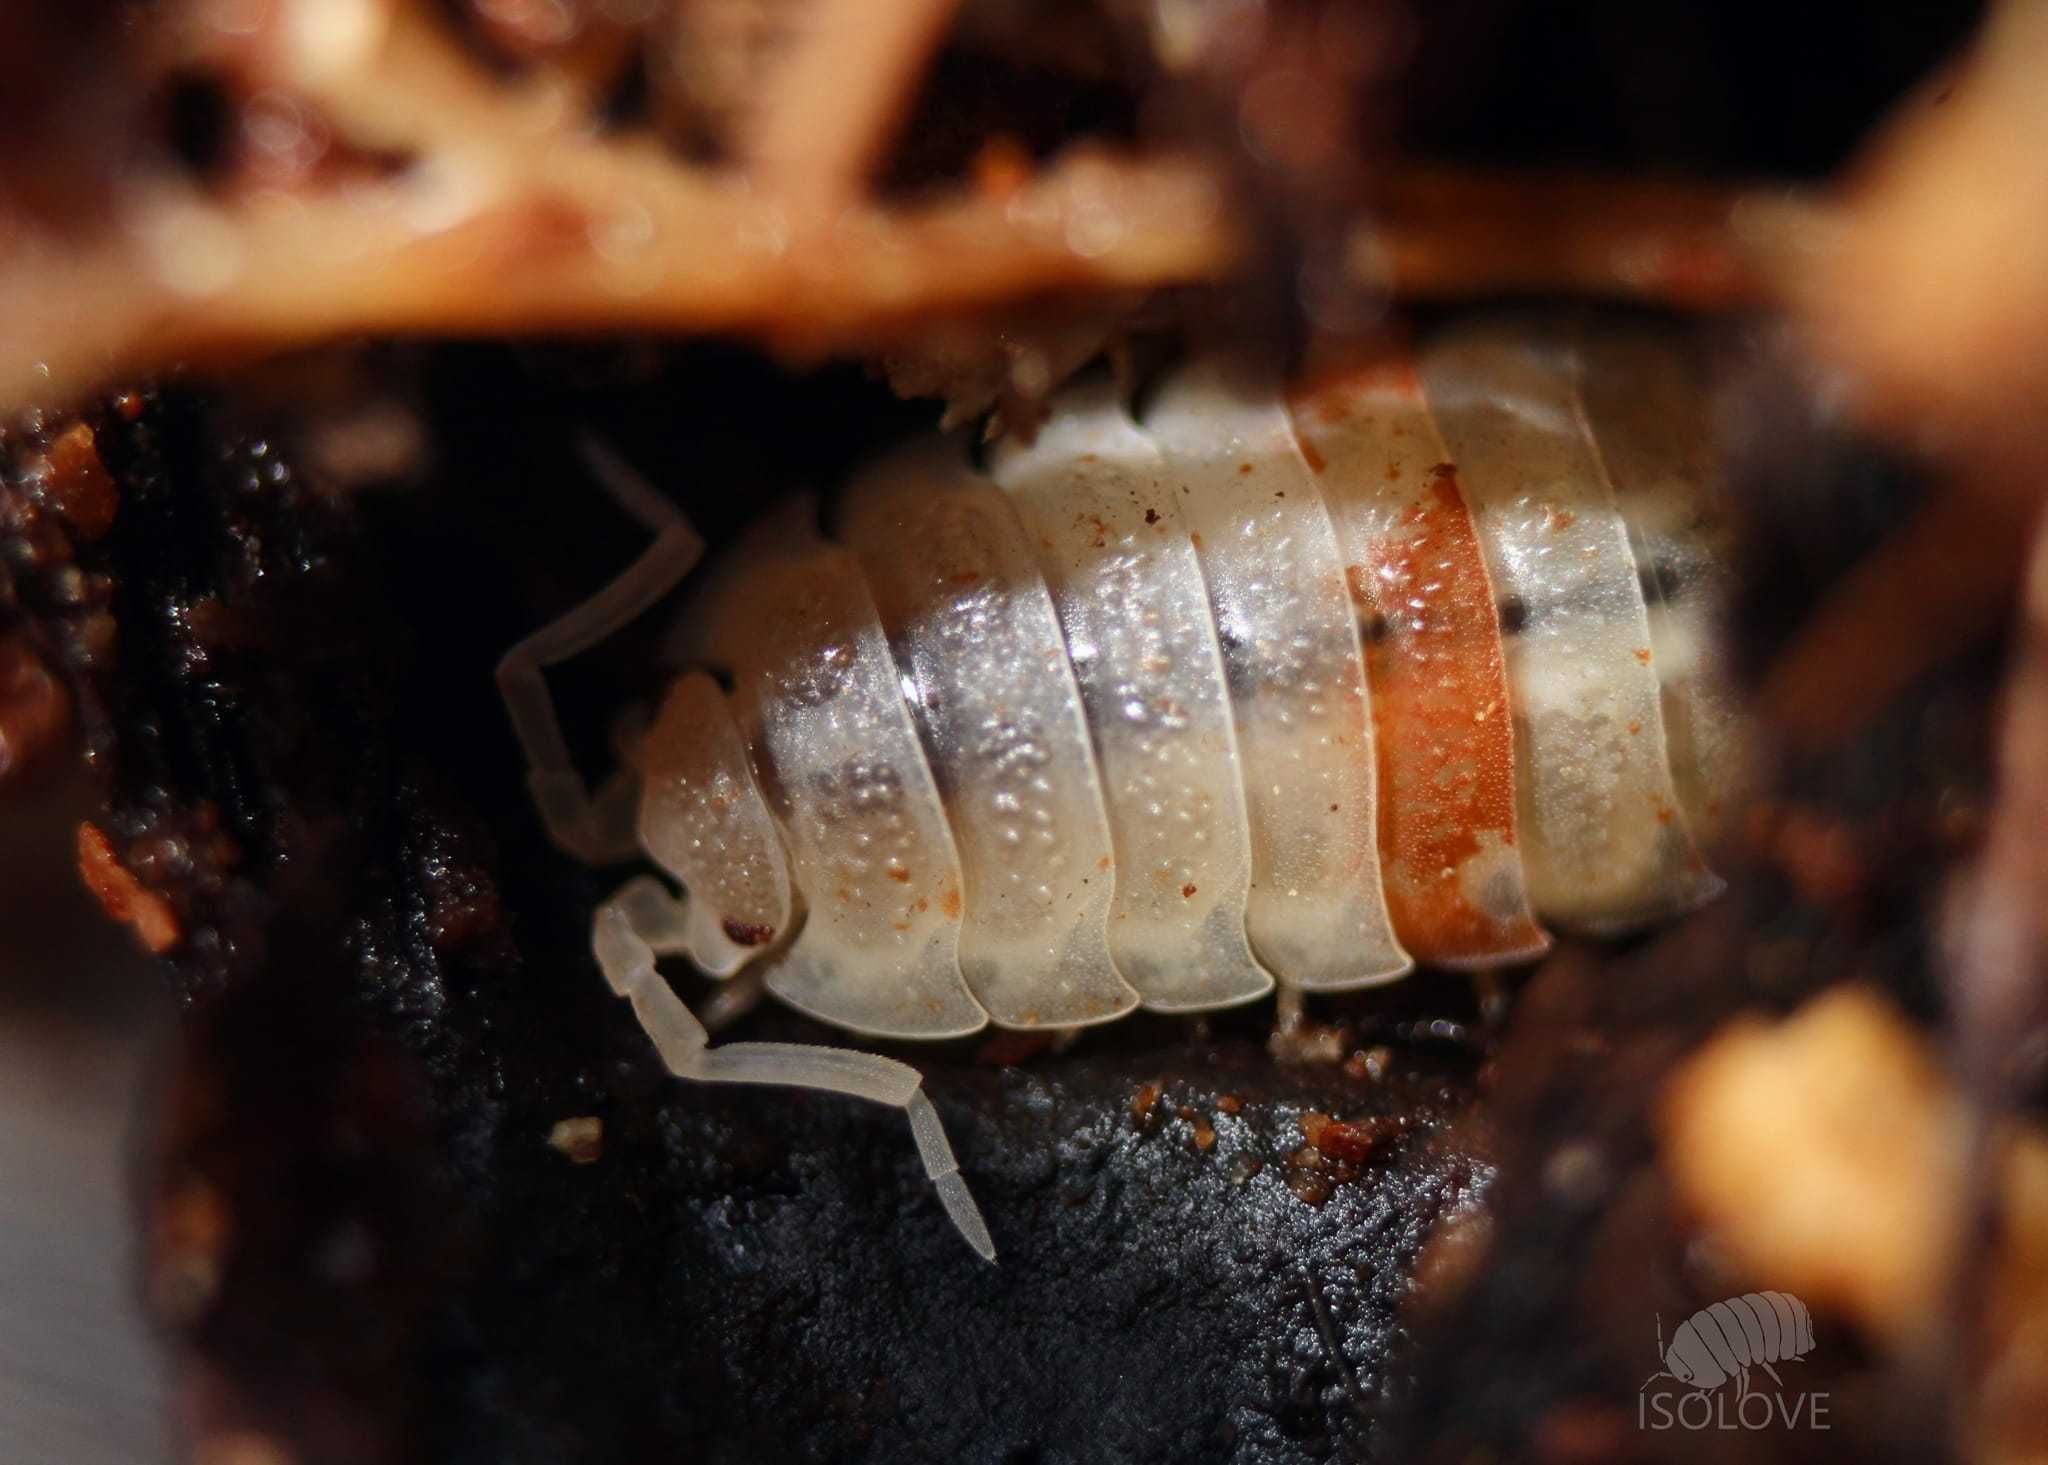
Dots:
{"x": 1729, "y": 1338}
{"x": 1163, "y": 708}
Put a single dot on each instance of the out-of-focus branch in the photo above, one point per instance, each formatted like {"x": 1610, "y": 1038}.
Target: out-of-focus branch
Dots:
{"x": 513, "y": 218}
{"x": 465, "y": 203}
{"x": 1448, "y": 234}
{"x": 834, "y": 103}
{"x": 1924, "y": 286}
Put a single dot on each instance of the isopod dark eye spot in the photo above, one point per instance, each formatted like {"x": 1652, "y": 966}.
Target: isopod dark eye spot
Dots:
{"x": 1376, "y": 628}
{"x": 1514, "y": 615}
{"x": 745, "y": 933}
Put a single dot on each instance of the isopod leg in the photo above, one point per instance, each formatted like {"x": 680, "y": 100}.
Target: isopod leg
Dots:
{"x": 628, "y": 932}
{"x": 596, "y": 831}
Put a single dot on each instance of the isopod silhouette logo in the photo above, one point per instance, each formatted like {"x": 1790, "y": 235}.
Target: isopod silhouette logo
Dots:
{"x": 1719, "y": 1345}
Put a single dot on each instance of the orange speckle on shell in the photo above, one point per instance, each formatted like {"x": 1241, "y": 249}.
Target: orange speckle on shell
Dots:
{"x": 949, "y": 903}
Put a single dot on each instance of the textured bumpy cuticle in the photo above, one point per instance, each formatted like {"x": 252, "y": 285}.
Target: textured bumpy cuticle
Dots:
{"x": 1247, "y": 687}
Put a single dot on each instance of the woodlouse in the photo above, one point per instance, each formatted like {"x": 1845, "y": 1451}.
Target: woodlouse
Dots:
{"x": 1727, "y": 1339}
{"x": 1163, "y": 709}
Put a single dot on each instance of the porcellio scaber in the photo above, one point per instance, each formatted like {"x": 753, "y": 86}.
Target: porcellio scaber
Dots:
{"x": 1247, "y": 686}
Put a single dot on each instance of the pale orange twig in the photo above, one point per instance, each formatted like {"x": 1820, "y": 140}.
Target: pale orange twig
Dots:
{"x": 834, "y": 103}
{"x": 517, "y": 219}
{"x": 1443, "y": 233}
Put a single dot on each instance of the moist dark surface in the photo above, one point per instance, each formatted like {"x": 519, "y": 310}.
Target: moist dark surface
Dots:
{"x": 362, "y": 1243}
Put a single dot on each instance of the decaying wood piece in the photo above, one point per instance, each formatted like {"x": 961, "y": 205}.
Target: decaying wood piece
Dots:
{"x": 510, "y": 214}
{"x": 447, "y": 200}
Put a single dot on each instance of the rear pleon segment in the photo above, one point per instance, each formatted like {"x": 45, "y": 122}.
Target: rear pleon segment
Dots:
{"x": 1605, "y": 840}
{"x": 1317, "y": 914}
{"x": 1109, "y": 540}
{"x": 1647, "y": 403}
{"x": 985, "y": 670}
{"x": 818, "y": 698}
{"x": 1417, "y": 581}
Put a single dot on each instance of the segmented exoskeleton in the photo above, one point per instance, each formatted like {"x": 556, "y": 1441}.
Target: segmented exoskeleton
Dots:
{"x": 1162, "y": 709}
{"x": 1726, "y": 1340}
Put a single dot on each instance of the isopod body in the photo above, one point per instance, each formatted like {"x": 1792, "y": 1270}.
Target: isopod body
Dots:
{"x": 1162, "y": 709}
{"x": 1727, "y": 1339}
{"x": 1168, "y": 706}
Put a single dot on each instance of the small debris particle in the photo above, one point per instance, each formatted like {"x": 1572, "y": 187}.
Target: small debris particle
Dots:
{"x": 241, "y": 1447}
{"x": 1307, "y": 1182}
{"x": 745, "y": 933}
{"x": 1581, "y": 1431}
{"x": 1370, "y": 1064}
{"x": 76, "y": 484}
{"x": 1001, "y": 168}
{"x": 1643, "y": 655}
{"x": 1151, "y": 516}
{"x": 1205, "y": 1135}
{"x": 1229, "y": 1104}
{"x": 1187, "y": 892}
{"x": 1012, "y": 1046}
{"x": 1243, "y": 1166}
{"x": 122, "y": 896}
{"x": 1145, "y": 1108}
{"x": 581, "y": 1139}
{"x": 1451, "y": 1257}
{"x": 1347, "y": 1141}
{"x": 35, "y": 710}
{"x": 188, "y": 1251}
{"x": 1244, "y": 470}
{"x": 1577, "y": 1173}
{"x": 1310, "y": 1042}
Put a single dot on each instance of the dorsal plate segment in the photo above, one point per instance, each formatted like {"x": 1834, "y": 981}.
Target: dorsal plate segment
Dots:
{"x": 1417, "y": 579}
{"x": 1318, "y": 915}
{"x": 817, "y": 695}
{"x": 985, "y": 670}
{"x": 1604, "y": 836}
{"x": 1094, "y": 499}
